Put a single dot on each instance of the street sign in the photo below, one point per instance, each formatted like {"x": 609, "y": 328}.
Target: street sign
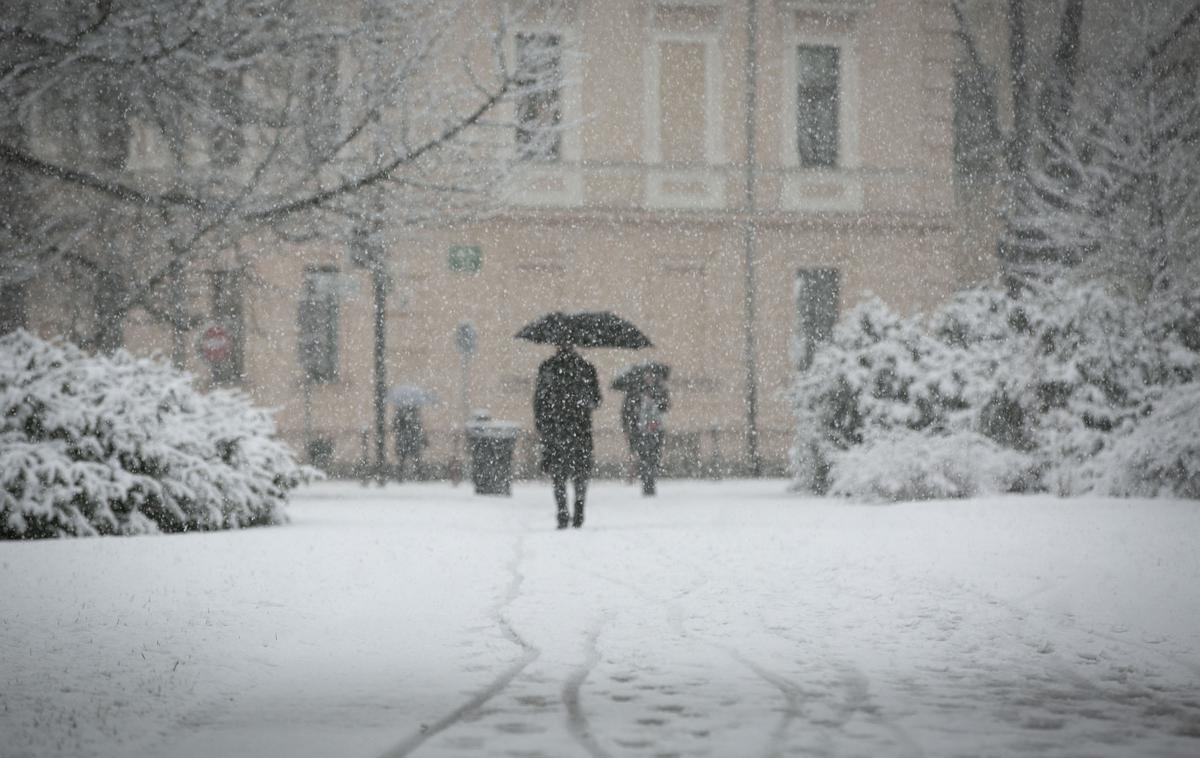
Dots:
{"x": 466, "y": 259}
{"x": 216, "y": 344}
{"x": 465, "y": 338}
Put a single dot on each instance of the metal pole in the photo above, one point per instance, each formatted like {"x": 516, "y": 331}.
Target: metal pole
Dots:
{"x": 308, "y": 446}
{"x": 466, "y": 411}
{"x": 380, "y": 294}
{"x": 750, "y": 241}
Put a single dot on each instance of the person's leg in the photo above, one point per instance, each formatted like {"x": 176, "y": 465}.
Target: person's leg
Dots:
{"x": 581, "y": 485}
{"x": 644, "y": 470}
{"x": 560, "y": 500}
{"x": 653, "y": 457}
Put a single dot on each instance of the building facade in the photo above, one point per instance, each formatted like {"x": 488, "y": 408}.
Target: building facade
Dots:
{"x": 729, "y": 175}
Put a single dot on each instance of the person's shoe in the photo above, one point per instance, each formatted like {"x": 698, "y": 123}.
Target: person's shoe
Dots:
{"x": 578, "y": 520}
{"x": 564, "y": 519}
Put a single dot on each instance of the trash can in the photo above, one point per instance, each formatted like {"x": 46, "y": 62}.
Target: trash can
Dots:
{"x": 492, "y": 445}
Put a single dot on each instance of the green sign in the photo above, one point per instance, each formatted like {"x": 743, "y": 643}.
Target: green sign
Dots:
{"x": 466, "y": 259}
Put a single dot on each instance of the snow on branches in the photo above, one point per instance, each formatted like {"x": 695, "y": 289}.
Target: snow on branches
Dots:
{"x": 1114, "y": 185}
{"x": 123, "y": 445}
{"x": 1066, "y": 388}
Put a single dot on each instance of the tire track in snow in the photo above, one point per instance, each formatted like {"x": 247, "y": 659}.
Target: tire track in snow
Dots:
{"x": 857, "y": 685}
{"x": 793, "y": 697}
{"x": 1020, "y": 613}
{"x": 792, "y": 693}
{"x": 796, "y": 700}
{"x": 529, "y": 653}
{"x": 1126, "y": 688}
{"x": 577, "y": 723}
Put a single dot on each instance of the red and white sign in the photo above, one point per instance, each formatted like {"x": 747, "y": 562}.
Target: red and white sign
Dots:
{"x": 216, "y": 344}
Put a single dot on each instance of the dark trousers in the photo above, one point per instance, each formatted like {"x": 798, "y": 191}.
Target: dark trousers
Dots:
{"x": 647, "y": 448}
{"x": 560, "y": 498}
{"x": 402, "y": 466}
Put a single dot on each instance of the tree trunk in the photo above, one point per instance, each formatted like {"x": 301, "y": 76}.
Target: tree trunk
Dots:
{"x": 1018, "y": 60}
{"x": 1058, "y": 93}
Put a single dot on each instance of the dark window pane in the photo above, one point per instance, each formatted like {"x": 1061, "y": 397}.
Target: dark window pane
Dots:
{"x": 319, "y": 326}
{"x": 227, "y": 310}
{"x": 817, "y": 80}
{"x": 539, "y": 97}
{"x": 816, "y": 311}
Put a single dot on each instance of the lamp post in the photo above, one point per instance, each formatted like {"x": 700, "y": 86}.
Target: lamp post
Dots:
{"x": 368, "y": 253}
{"x": 465, "y": 339}
{"x": 750, "y": 242}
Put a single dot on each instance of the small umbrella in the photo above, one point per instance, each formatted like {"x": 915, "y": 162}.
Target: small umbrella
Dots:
{"x": 411, "y": 395}
{"x": 585, "y": 329}
{"x": 631, "y": 377}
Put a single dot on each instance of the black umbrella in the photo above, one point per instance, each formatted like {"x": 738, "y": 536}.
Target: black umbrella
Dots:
{"x": 586, "y": 329}
{"x": 411, "y": 395}
{"x": 631, "y": 377}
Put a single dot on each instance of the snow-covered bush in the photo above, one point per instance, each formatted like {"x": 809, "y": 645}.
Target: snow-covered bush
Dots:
{"x": 1159, "y": 456}
{"x": 123, "y": 445}
{"x": 909, "y": 465}
{"x": 1056, "y": 373}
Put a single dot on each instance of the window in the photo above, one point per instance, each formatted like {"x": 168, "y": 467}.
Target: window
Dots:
{"x": 682, "y": 113}
{"x": 816, "y": 311}
{"x": 225, "y": 288}
{"x": 683, "y": 122}
{"x": 318, "y": 321}
{"x": 818, "y": 72}
{"x": 539, "y": 96}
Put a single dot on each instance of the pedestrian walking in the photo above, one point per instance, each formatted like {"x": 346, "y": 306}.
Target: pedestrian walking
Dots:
{"x": 642, "y": 421}
{"x": 567, "y": 393}
{"x": 410, "y": 440}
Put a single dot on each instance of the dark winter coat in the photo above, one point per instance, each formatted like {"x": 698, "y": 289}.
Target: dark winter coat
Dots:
{"x": 643, "y": 440}
{"x": 410, "y": 435}
{"x": 566, "y": 394}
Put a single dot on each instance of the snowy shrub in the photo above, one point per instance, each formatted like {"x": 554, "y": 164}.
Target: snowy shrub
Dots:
{"x": 873, "y": 381}
{"x": 907, "y": 465}
{"x": 123, "y": 445}
{"x": 1059, "y": 373}
{"x": 1159, "y": 456}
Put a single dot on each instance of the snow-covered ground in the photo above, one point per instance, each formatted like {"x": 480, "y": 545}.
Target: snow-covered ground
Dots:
{"x": 719, "y": 619}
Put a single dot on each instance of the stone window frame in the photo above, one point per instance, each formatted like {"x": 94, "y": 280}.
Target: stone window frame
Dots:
{"x": 848, "y": 94}
{"x": 685, "y": 187}
{"x": 812, "y": 188}
{"x": 557, "y": 183}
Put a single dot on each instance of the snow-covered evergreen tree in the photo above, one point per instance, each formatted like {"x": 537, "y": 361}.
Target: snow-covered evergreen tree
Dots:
{"x": 122, "y": 445}
{"x": 1159, "y": 456}
{"x": 1115, "y": 182}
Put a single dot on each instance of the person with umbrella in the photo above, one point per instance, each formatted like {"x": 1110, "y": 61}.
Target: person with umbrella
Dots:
{"x": 407, "y": 428}
{"x": 566, "y": 394}
{"x": 646, "y": 400}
